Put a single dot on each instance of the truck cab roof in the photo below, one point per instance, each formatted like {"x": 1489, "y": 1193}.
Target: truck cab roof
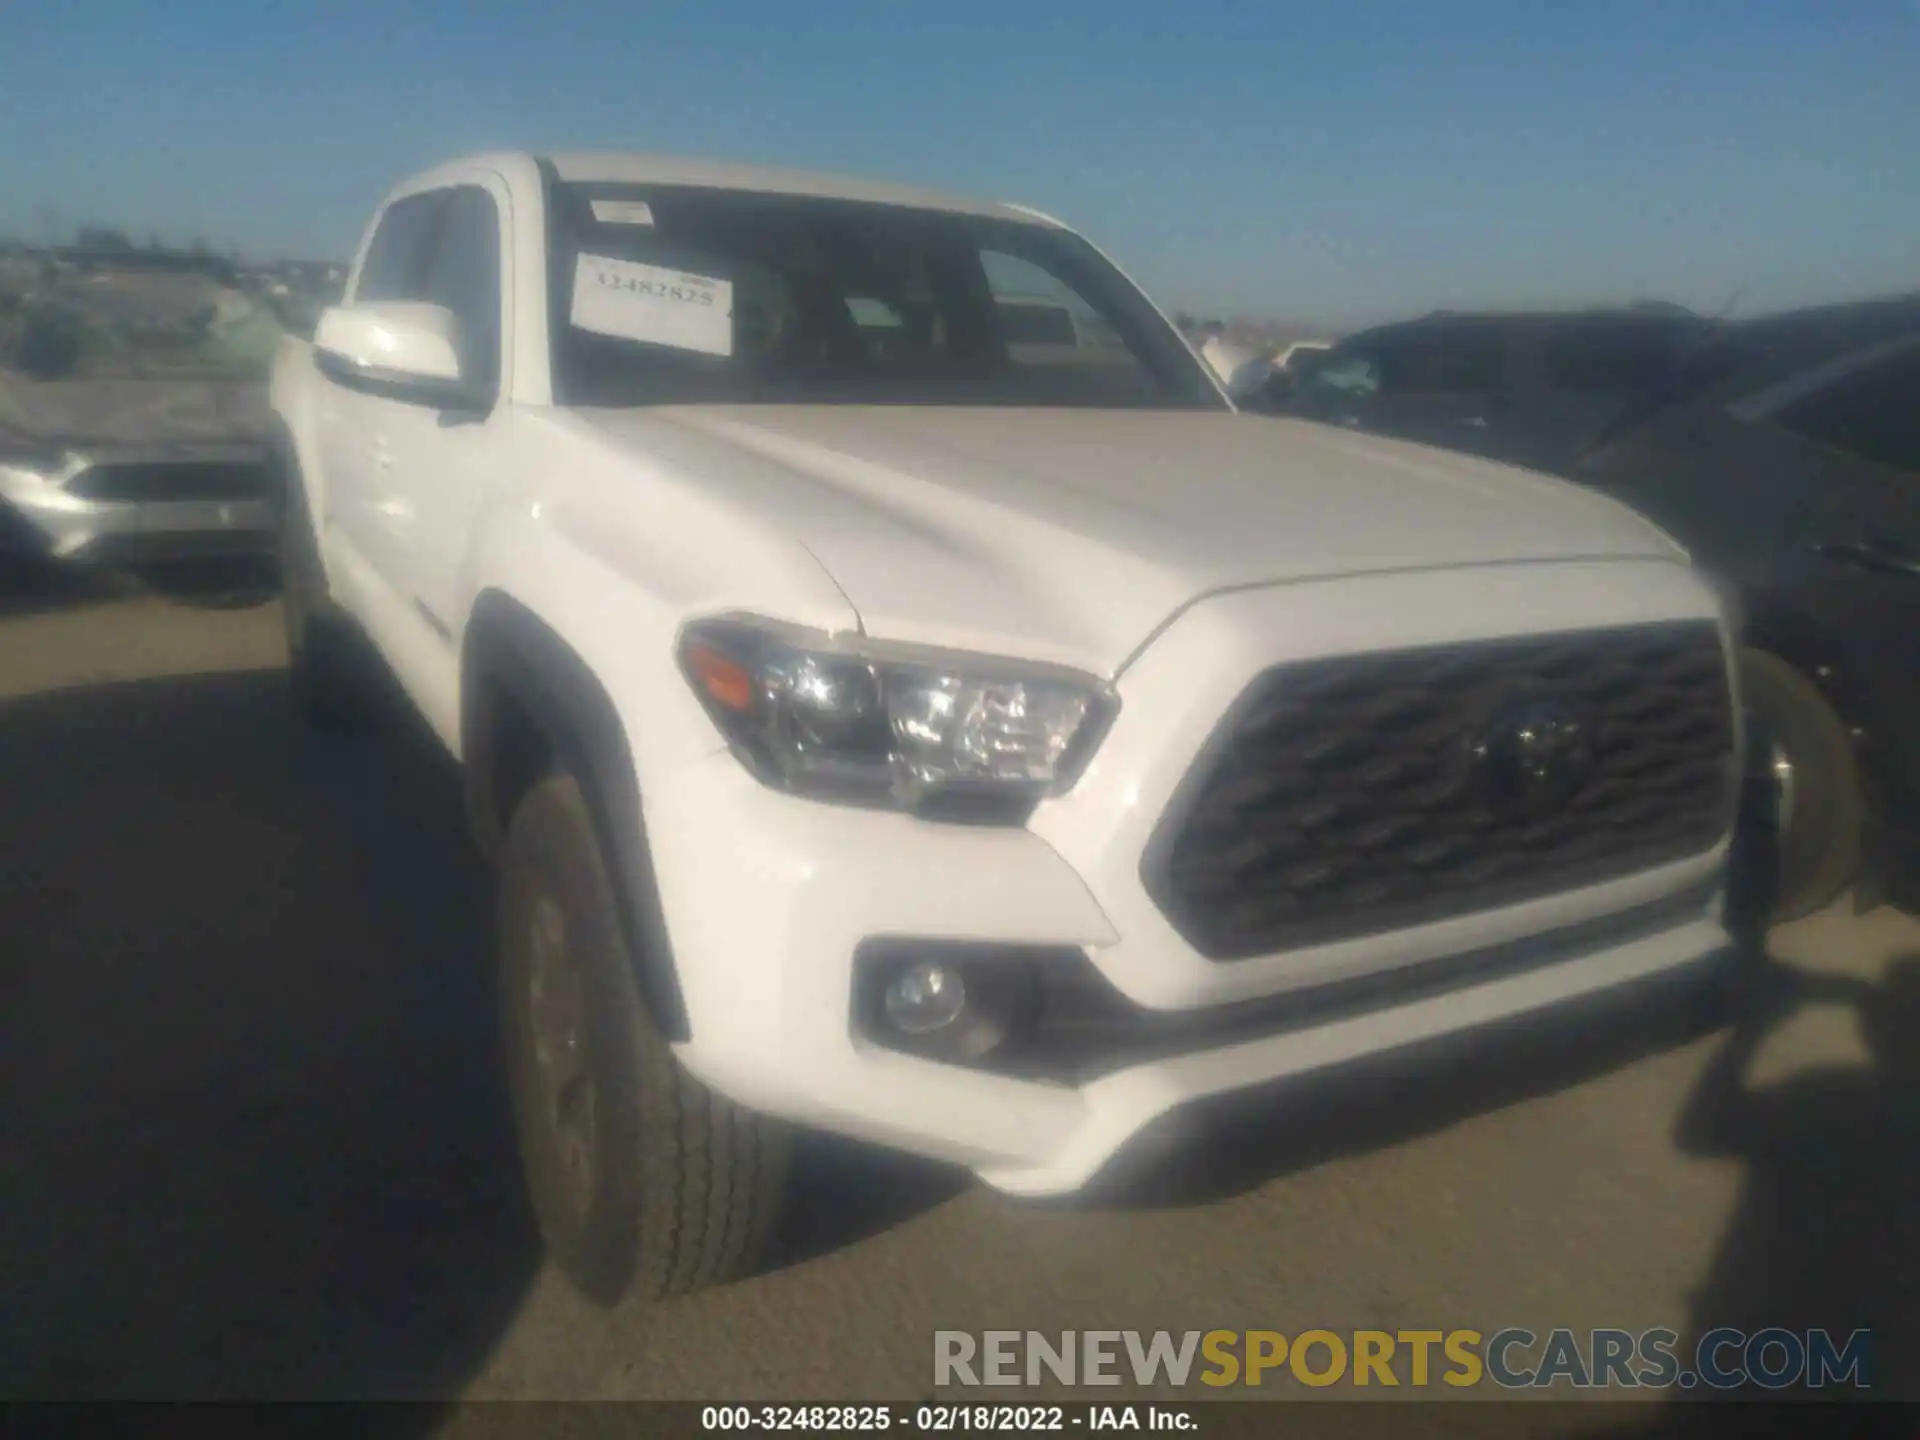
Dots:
{"x": 628, "y": 168}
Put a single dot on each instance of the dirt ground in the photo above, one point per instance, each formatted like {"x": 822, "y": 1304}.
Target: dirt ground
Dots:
{"x": 253, "y": 1141}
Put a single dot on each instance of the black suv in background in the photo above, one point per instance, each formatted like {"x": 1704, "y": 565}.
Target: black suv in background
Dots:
{"x": 1784, "y": 453}
{"x": 1786, "y": 457}
{"x": 1530, "y": 389}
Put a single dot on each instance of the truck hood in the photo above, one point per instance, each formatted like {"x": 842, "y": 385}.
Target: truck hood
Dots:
{"x": 1073, "y": 535}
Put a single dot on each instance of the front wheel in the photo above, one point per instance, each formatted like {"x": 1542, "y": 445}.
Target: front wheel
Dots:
{"x": 1802, "y": 769}
{"x": 643, "y": 1180}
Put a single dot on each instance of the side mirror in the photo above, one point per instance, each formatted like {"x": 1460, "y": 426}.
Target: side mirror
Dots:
{"x": 405, "y": 349}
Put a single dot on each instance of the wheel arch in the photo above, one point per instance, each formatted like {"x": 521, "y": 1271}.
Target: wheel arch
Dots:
{"x": 530, "y": 704}
{"x": 1788, "y": 632}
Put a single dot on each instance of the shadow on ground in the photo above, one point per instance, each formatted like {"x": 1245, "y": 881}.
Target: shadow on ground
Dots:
{"x": 253, "y": 1140}
{"x": 845, "y": 1192}
{"x": 1825, "y": 1235}
{"x": 31, "y": 585}
{"x": 239, "y": 583}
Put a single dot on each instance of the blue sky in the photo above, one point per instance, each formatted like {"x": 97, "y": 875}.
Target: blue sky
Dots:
{"x": 1334, "y": 163}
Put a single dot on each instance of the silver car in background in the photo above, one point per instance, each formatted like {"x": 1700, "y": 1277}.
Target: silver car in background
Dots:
{"x": 133, "y": 416}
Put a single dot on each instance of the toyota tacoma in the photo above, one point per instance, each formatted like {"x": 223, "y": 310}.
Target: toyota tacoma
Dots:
{"x": 982, "y": 746}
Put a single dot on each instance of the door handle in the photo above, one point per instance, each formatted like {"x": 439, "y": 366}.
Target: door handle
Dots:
{"x": 1880, "y": 559}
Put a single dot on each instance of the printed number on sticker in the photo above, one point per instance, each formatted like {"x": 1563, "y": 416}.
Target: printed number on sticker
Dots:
{"x": 689, "y": 294}
{"x": 630, "y": 301}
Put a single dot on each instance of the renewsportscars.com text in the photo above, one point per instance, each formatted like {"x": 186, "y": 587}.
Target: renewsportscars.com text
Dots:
{"x": 1512, "y": 1358}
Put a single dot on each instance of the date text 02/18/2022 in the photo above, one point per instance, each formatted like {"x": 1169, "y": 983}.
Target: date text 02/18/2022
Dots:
{"x": 940, "y": 1419}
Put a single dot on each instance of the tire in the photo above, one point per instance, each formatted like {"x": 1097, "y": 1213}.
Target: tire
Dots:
{"x": 324, "y": 667}
{"x": 241, "y": 582}
{"x": 651, "y": 1185}
{"x": 1817, "y": 843}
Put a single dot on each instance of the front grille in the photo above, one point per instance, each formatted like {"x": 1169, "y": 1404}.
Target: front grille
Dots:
{"x": 1352, "y": 796}
{"x": 159, "y": 481}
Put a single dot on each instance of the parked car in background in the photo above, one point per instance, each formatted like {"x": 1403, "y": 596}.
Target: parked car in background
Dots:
{"x": 1530, "y": 389}
{"x": 133, "y": 419}
{"x": 1300, "y": 358}
{"x": 1787, "y": 459}
{"x": 1269, "y": 390}
{"x": 1243, "y": 371}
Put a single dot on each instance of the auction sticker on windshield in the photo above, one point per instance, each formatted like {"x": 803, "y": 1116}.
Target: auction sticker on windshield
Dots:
{"x": 631, "y": 301}
{"x": 623, "y": 212}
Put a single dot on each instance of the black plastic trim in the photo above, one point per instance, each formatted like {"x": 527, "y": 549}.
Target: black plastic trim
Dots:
{"x": 453, "y": 397}
{"x": 1075, "y": 1026}
{"x": 1155, "y": 863}
{"x": 510, "y": 649}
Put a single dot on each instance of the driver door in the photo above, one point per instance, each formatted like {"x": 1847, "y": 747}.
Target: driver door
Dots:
{"x": 366, "y": 512}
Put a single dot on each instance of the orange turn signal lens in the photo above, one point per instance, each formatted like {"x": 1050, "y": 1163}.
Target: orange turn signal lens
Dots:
{"x": 726, "y": 682}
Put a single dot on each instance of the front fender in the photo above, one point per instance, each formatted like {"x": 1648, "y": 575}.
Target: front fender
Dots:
{"x": 571, "y": 624}
{"x": 616, "y": 560}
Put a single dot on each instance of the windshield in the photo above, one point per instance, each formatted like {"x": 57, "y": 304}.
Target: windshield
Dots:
{"x": 671, "y": 295}
{"x": 133, "y": 324}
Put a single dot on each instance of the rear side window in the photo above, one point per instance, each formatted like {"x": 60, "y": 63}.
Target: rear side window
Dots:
{"x": 1873, "y": 413}
{"x": 1044, "y": 321}
{"x": 1609, "y": 357}
{"x": 1336, "y": 374}
{"x": 1444, "y": 360}
{"x": 396, "y": 263}
{"x": 1035, "y": 322}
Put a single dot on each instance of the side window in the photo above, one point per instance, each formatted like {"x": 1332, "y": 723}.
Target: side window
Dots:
{"x": 1609, "y": 357}
{"x": 1034, "y": 308}
{"x": 893, "y": 328}
{"x": 395, "y": 267}
{"x": 1873, "y": 413}
{"x": 1044, "y": 321}
{"x": 1355, "y": 374}
{"x": 464, "y": 275}
{"x": 1445, "y": 360}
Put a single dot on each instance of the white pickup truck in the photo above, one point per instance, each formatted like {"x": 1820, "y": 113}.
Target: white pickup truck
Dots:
{"x": 987, "y": 756}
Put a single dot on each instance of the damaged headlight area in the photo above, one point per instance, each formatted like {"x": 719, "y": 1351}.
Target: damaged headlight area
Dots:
{"x": 945, "y": 736}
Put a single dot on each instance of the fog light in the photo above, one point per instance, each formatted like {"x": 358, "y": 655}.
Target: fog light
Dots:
{"x": 925, "y": 997}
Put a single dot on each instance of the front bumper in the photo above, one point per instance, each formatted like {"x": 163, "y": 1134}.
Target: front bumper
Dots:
{"x": 766, "y": 937}
{"x": 769, "y": 899}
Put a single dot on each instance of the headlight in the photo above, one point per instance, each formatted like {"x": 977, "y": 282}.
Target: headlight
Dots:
{"x": 935, "y": 733}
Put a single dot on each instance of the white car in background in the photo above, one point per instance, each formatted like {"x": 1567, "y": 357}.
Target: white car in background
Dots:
{"x": 1242, "y": 370}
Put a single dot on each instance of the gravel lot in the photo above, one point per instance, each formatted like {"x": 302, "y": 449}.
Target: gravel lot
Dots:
{"x": 253, "y": 1140}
